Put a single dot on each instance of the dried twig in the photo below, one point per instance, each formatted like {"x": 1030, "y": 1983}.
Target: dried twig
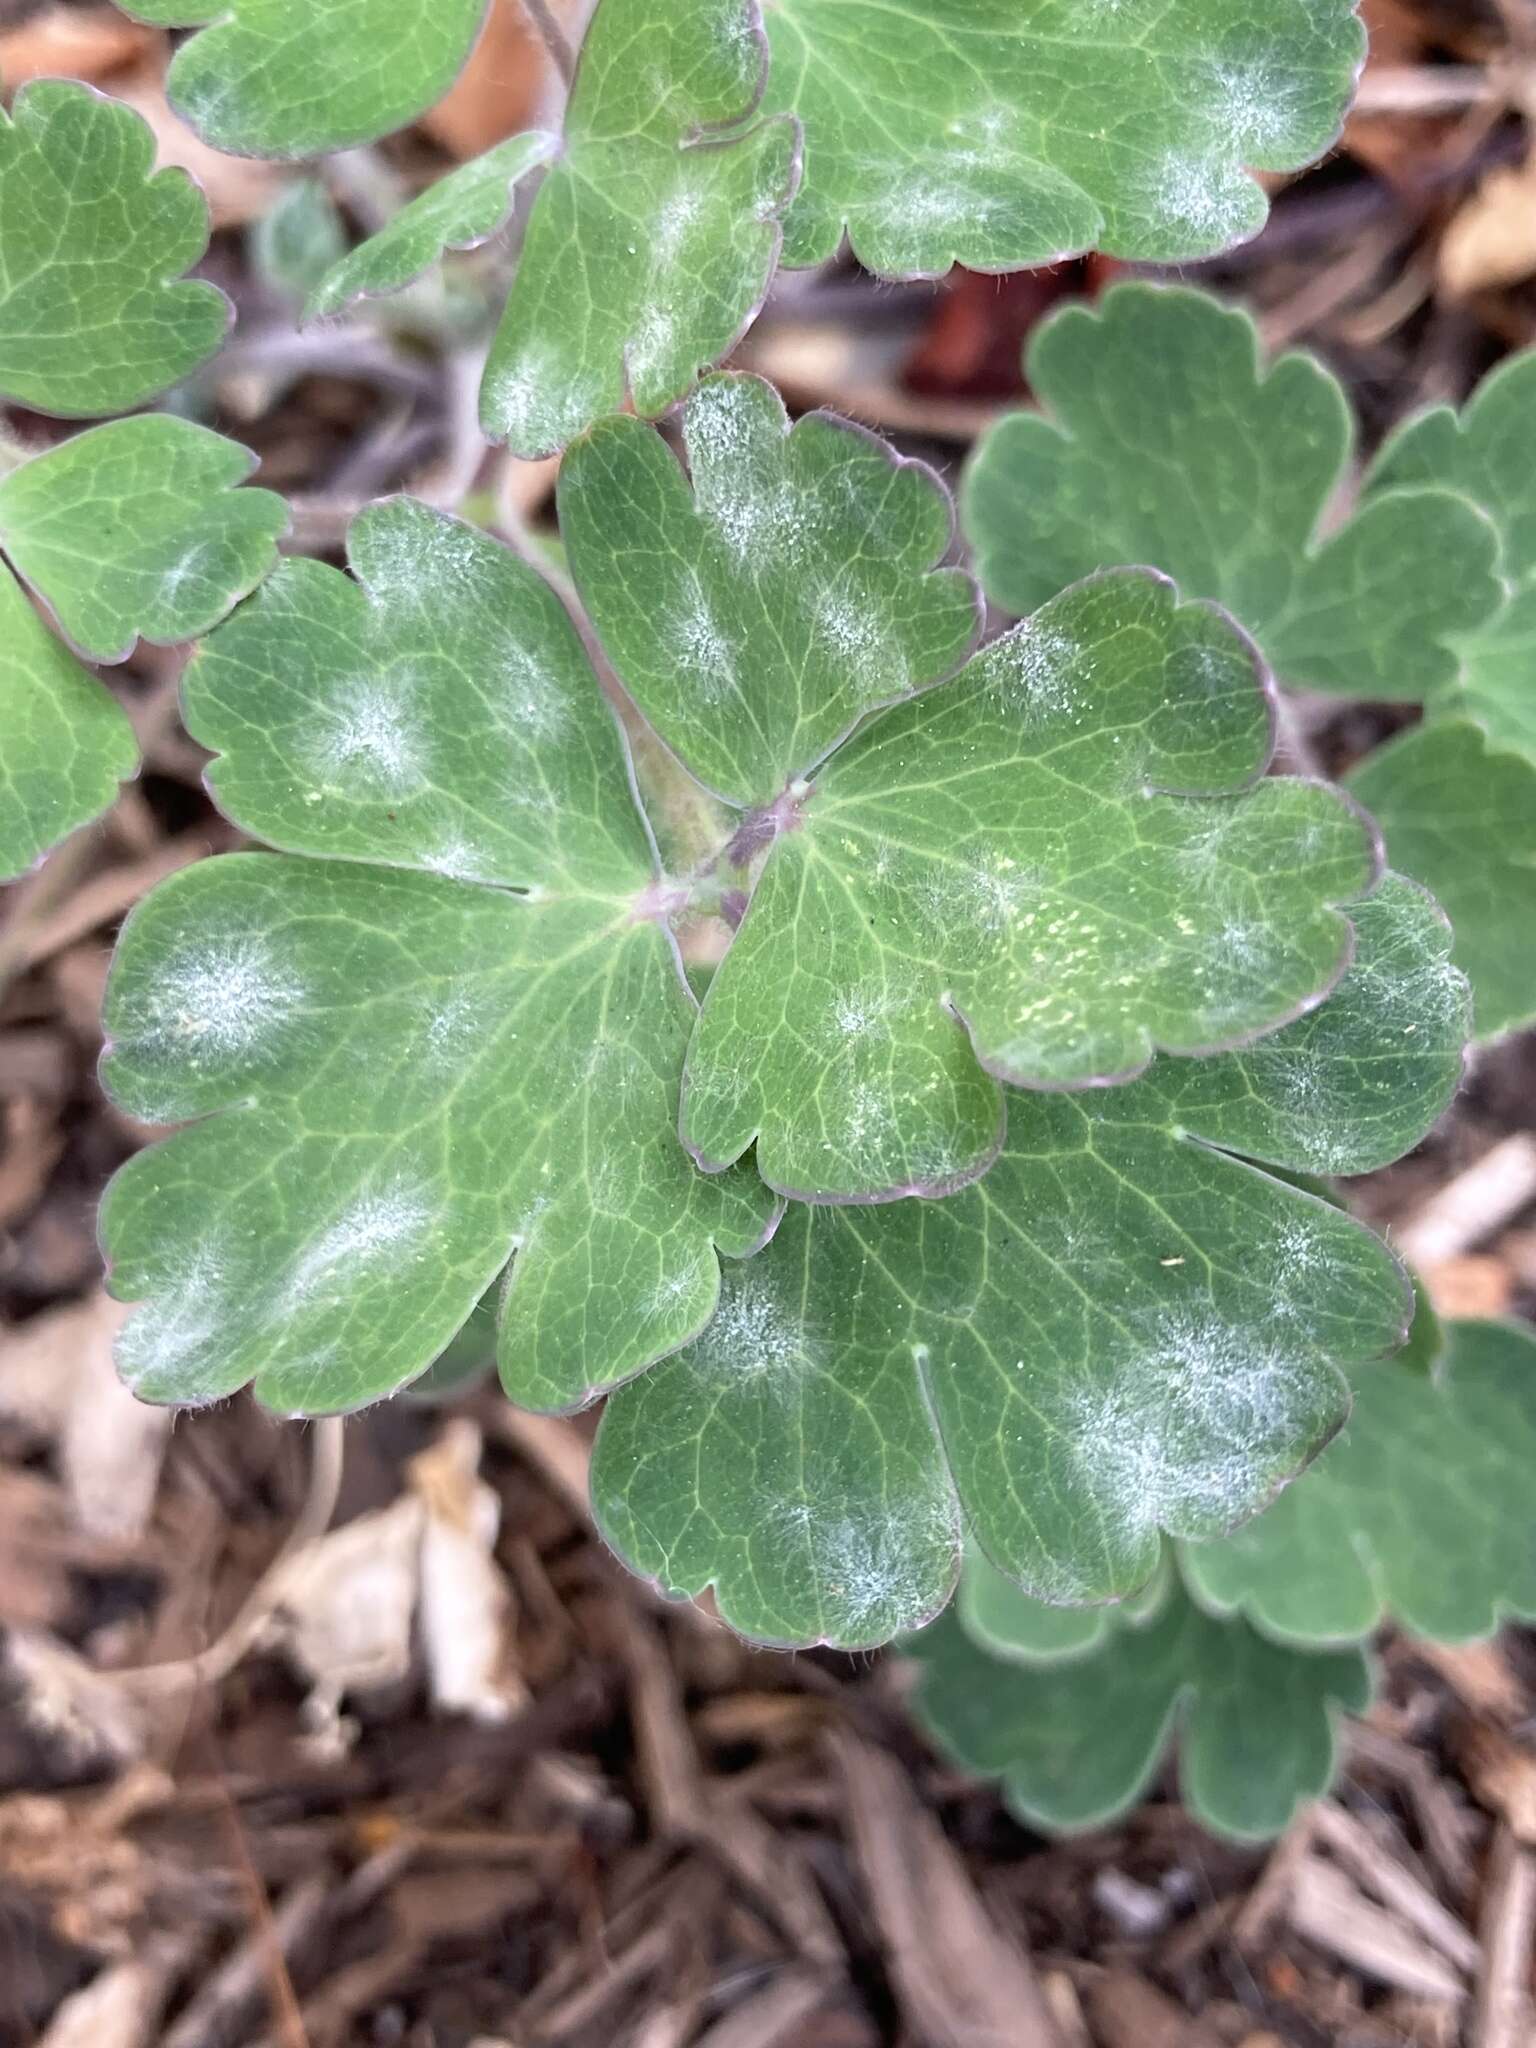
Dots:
{"x": 1503, "y": 2017}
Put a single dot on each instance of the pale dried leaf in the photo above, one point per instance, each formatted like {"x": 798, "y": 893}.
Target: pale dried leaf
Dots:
{"x": 466, "y": 1614}
{"x": 1492, "y": 241}
{"x": 85, "y": 1718}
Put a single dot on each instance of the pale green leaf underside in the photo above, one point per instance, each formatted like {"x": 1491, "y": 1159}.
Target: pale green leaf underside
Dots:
{"x": 1120, "y": 1330}
{"x": 1488, "y": 452}
{"x": 757, "y": 615}
{"x": 438, "y": 712}
{"x": 460, "y": 211}
{"x": 292, "y": 78}
{"x": 1076, "y": 1742}
{"x": 1007, "y": 854}
{"x": 1419, "y": 1512}
{"x": 67, "y": 742}
{"x": 402, "y": 1080}
{"x": 999, "y": 134}
{"x": 137, "y": 528}
{"x": 1002, "y": 1619}
{"x": 94, "y": 315}
{"x": 1166, "y": 440}
{"x": 1460, "y": 816}
{"x": 655, "y": 232}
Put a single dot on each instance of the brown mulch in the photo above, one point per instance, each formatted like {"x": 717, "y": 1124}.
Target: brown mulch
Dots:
{"x": 633, "y": 1831}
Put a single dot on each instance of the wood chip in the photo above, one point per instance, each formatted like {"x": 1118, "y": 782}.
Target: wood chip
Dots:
{"x": 1470, "y": 1208}
{"x": 1503, "y": 2016}
{"x": 1394, "y": 1884}
{"x": 961, "y": 1982}
{"x": 1128, "y": 2012}
{"x": 1336, "y": 1917}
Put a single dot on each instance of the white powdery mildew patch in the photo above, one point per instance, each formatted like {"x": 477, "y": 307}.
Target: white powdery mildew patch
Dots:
{"x": 454, "y": 1025}
{"x": 219, "y": 999}
{"x": 372, "y": 1230}
{"x": 460, "y": 860}
{"x": 367, "y": 736}
{"x": 859, "y": 641}
{"x": 700, "y": 647}
{"x": 535, "y": 400}
{"x": 1256, "y": 105}
{"x": 754, "y": 1336}
{"x": 175, "y": 579}
{"x": 675, "y": 220}
{"x": 1032, "y": 672}
{"x": 1186, "y": 190}
{"x": 652, "y": 350}
{"x": 180, "y": 1323}
{"x": 532, "y": 701}
{"x": 880, "y": 1568}
{"x": 1193, "y": 1433}
{"x": 672, "y": 1295}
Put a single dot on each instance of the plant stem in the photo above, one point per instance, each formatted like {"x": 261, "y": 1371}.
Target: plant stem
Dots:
{"x": 554, "y": 37}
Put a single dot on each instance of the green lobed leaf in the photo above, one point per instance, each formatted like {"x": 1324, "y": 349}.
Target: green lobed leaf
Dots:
{"x": 1417, "y": 1513}
{"x": 405, "y": 1077}
{"x": 1461, "y": 816}
{"x": 137, "y": 528}
{"x": 293, "y": 78}
{"x": 1487, "y": 452}
{"x": 654, "y": 234}
{"x": 460, "y": 211}
{"x": 1075, "y": 1743}
{"x": 1121, "y": 1330}
{"x": 68, "y": 744}
{"x": 94, "y": 313}
{"x": 998, "y": 135}
{"x": 759, "y": 615}
{"x": 1166, "y": 439}
{"x": 1069, "y": 847}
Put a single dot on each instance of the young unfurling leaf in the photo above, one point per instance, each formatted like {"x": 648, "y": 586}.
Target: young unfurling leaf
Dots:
{"x": 95, "y": 314}
{"x": 655, "y": 232}
{"x": 998, "y": 135}
{"x": 1075, "y": 1741}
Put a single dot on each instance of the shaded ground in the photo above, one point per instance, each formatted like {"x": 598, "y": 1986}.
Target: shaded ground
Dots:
{"x": 641, "y": 1832}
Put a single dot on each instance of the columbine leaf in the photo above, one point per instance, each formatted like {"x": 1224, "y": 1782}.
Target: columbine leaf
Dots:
{"x": 405, "y": 1077}
{"x": 1075, "y": 1743}
{"x": 1461, "y": 816}
{"x": 986, "y": 133}
{"x": 136, "y": 528}
{"x": 1168, "y": 441}
{"x": 1068, "y": 847}
{"x": 1418, "y": 1512}
{"x": 756, "y": 617}
{"x": 1488, "y": 452}
{"x": 460, "y": 211}
{"x": 654, "y": 235}
{"x": 291, "y": 78}
{"x": 1119, "y": 1330}
{"x": 68, "y": 744}
{"x": 93, "y": 243}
